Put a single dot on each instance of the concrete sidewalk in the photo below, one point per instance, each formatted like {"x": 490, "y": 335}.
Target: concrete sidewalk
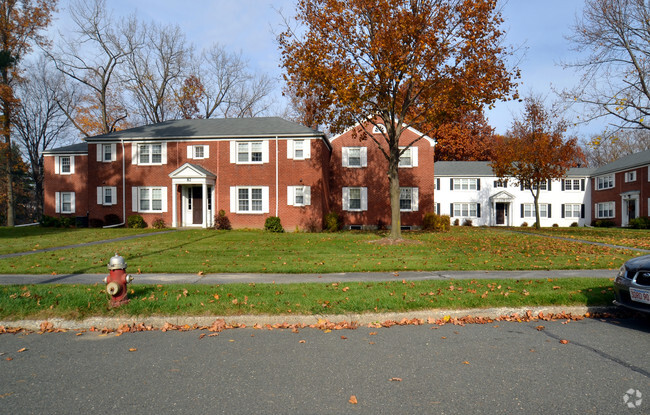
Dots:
{"x": 214, "y": 279}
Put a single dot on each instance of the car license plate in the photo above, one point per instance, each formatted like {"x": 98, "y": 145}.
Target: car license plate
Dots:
{"x": 641, "y": 296}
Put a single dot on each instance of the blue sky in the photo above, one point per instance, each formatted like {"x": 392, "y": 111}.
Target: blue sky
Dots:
{"x": 538, "y": 27}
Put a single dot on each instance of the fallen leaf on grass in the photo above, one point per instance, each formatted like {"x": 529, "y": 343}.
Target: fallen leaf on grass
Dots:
{"x": 133, "y": 349}
{"x": 353, "y": 400}
{"x": 395, "y": 379}
{"x": 564, "y": 341}
{"x": 466, "y": 362}
{"x": 22, "y": 350}
{"x": 302, "y": 341}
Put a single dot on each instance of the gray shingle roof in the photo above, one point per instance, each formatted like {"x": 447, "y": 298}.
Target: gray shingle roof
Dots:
{"x": 624, "y": 163}
{"x": 213, "y": 128}
{"x": 79, "y": 148}
{"x": 483, "y": 169}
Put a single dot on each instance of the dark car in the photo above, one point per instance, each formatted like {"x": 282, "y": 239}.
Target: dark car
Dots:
{"x": 632, "y": 284}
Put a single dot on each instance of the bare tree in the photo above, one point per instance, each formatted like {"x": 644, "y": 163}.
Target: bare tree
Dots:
{"x": 155, "y": 69}
{"x": 91, "y": 60}
{"x": 614, "y": 35}
{"x": 39, "y": 123}
{"x": 604, "y": 148}
{"x": 228, "y": 88}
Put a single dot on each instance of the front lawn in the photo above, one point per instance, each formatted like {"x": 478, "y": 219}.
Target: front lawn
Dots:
{"x": 637, "y": 238}
{"x": 253, "y": 251}
{"x": 78, "y": 302}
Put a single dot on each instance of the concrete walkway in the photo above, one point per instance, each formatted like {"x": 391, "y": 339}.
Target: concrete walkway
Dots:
{"x": 214, "y": 279}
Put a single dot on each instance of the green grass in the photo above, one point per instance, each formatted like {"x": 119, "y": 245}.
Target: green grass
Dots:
{"x": 253, "y": 251}
{"x": 77, "y": 302}
{"x": 32, "y": 238}
{"x": 637, "y": 238}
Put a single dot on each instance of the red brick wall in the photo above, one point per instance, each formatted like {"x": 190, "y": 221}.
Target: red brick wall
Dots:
{"x": 76, "y": 182}
{"x": 641, "y": 184}
{"x": 375, "y": 178}
{"x": 311, "y": 172}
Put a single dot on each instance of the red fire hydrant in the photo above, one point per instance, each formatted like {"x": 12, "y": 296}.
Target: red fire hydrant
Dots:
{"x": 117, "y": 280}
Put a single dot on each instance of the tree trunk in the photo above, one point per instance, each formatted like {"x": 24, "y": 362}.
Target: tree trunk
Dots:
{"x": 536, "y": 197}
{"x": 393, "y": 179}
{"x": 6, "y": 126}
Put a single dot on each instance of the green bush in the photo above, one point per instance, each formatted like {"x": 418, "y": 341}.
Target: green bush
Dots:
{"x": 467, "y": 222}
{"x": 524, "y": 225}
{"x": 221, "y": 221}
{"x": 642, "y": 222}
{"x": 332, "y": 222}
{"x": 457, "y": 222}
{"x": 603, "y": 223}
{"x": 436, "y": 223}
{"x": 574, "y": 225}
{"x": 158, "y": 224}
{"x": 111, "y": 219}
{"x": 555, "y": 225}
{"x": 136, "y": 221}
{"x": 67, "y": 222}
{"x": 273, "y": 224}
{"x": 50, "y": 222}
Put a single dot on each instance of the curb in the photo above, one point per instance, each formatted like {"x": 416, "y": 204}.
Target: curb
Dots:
{"x": 113, "y": 323}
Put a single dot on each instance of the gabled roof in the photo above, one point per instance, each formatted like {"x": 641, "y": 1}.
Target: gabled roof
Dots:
{"x": 483, "y": 169}
{"x": 191, "y": 170}
{"x": 431, "y": 141}
{"x": 625, "y": 163}
{"x": 218, "y": 128}
{"x": 79, "y": 148}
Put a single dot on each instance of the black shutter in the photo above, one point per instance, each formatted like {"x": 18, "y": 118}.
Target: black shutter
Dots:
{"x": 478, "y": 210}
{"x": 549, "y": 186}
{"x": 437, "y": 208}
{"x": 562, "y": 210}
{"x": 522, "y": 188}
{"x": 522, "y": 210}
{"x": 548, "y": 211}
{"x": 451, "y": 184}
{"x": 582, "y": 185}
{"x": 478, "y": 184}
{"x": 582, "y": 210}
{"x": 562, "y": 184}
{"x": 451, "y": 210}
{"x": 438, "y": 184}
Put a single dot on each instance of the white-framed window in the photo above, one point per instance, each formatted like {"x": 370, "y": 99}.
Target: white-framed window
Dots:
{"x": 355, "y": 157}
{"x": 630, "y": 176}
{"x": 298, "y": 195}
{"x": 198, "y": 152}
{"x": 149, "y": 154}
{"x": 64, "y": 202}
{"x": 605, "y": 210}
{"x": 465, "y": 209}
{"x": 501, "y": 183}
{"x": 572, "y": 210}
{"x": 149, "y": 199}
{"x": 528, "y": 210}
{"x": 571, "y": 184}
{"x": 605, "y": 182}
{"x": 409, "y": 157}
{"x": 249, "y": 152}
{"x": 64, "y": 164}
{"x": 249, "y": 199}
{"x": 298, "y": 149}
{"x": 465, "y": 184}
{"x": 408, "y": 199}
{"x": 107, "y": 195}
{"x": 542, "y": 186}
{"x": 355, "y": 199}
{"x": 106, "y": 152}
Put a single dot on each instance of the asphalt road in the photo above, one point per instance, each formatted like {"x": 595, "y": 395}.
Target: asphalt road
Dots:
{"x": 500, "y": 367}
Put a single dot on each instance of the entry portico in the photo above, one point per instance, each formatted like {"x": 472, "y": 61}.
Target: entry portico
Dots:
{"x": 197, "y": 196}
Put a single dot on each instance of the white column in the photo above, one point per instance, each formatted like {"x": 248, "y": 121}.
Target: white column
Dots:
{"x": 204, "y": 202}
{"x": 174, "y": 214}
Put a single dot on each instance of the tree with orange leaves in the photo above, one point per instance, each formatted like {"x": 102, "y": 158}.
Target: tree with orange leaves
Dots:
{"x": 470, "y": 138}
{"x": 535, "y": 150}
{"x": 401, "y": 63}
{"x": 20, "y": 24}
